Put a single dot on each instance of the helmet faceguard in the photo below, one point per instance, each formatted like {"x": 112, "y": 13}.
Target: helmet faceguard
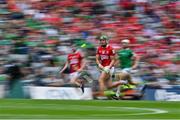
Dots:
{"x": 101, "y": 38}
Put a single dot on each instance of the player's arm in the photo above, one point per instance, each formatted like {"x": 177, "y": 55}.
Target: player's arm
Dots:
{"x": 83, "y": 63}
{"x": 98, "y": 61}
{"x": 113, "y": 58}
{"x": 117, "y": 61}
{"x": 112, "y": 61}
{"x": 135, "y": 61}
{"x": 65, "y": 66}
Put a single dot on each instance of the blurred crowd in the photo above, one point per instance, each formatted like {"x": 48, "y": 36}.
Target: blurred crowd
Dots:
{"x": 36, "y": 34}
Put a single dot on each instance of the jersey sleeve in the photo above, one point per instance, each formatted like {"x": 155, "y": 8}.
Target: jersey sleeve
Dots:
{"x": 112, "y": 52}
{"x": 81, "y": 56}
{"x": 131, "y": 53}
{"x": 97, "y": 51}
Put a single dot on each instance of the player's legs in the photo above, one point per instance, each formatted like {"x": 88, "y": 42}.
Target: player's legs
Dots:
{"x": 105, "y": 82}
{"x": 123, "y": 78}
{"x": 74, "y": 78}
{"x": 102, "y": 79}
{"x": 113, "y": 84}
{"x": 118, "y": 78}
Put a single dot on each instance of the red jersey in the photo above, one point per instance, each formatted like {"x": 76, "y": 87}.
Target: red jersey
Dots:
{"x": 74, "y": 61}
{"x": 105, "y": 53}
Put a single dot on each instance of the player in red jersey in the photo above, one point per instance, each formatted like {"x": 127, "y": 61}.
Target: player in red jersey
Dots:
{"x": 76, "y": 63}
{"x": 105, "y": 59}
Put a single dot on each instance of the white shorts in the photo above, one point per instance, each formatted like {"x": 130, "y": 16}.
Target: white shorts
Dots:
{"x": 111, "y": 72}
{"x": 125, "y": 70}
{"x": 74, "y": 75}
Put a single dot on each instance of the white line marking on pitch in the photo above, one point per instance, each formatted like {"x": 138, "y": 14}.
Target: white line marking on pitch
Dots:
{"x": 147, "y": 111}
{"x": 152, "y": 111}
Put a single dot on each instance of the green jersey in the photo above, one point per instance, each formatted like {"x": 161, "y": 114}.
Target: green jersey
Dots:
{"x": 125, "y": 58}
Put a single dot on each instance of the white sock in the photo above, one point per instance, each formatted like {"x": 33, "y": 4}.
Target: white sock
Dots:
{"x": 118, "y": 91}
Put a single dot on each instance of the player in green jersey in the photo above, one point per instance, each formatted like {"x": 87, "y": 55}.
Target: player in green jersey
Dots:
{"x": 127, "y": 60}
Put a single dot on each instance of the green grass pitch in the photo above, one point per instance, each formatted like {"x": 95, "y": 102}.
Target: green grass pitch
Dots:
{"x": 88, "y": 109}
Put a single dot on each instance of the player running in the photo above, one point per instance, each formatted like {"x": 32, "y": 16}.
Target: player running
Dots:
{"x": 127, "y": 61}
{"x": 105, "y": 59}
{"x": 76, "y": 63}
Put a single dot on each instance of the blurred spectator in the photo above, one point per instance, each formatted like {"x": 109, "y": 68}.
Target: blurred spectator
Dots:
{"x": 15, "y": 86}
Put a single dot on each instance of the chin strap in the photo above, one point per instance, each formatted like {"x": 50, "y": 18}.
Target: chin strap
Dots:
{"x": 103, "y": 45}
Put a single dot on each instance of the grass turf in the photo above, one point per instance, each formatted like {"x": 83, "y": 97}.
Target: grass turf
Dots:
{"x": 91, "y": 109}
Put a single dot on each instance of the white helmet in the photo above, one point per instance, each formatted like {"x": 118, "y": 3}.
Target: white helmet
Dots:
{"x": 125, "y": 41}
